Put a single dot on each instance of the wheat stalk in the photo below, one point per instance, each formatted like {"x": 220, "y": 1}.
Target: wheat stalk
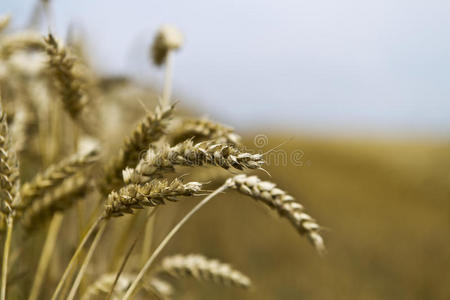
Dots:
{"x": 202, "y": 268}
{"x": 189, "y": 154}
{"x": 148, "y": 131}
{"x": 283, "y": 203}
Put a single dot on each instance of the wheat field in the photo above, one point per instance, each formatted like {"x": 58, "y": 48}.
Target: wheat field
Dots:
{"x": 114, "y": 190}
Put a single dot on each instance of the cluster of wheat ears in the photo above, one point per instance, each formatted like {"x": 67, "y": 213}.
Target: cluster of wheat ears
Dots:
{"x": 52, "y": 159}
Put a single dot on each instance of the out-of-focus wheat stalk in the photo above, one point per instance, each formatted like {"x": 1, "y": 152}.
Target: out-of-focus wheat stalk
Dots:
{"x": 69, "y": 83}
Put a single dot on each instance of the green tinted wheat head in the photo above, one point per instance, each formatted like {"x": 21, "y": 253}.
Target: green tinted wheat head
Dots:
{"x": 283, "y": 203}
{"x": 203, "y": 269}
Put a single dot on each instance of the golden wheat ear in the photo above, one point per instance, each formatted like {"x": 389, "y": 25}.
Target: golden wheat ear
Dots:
{"x": 24, "y": 40}
{"x": 153, "y": 193}
{"x": 192, "y": 155}
{"x": 70, "y": 84}
{"x": 277, "y": 199}
{"x": 9, "y": 168}
{"x": 203, "y": 269}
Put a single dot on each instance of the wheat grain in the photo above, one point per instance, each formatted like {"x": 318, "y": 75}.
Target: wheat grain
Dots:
{"x": 189, "y": 154}
{"x": 168, "y": 38}
{"x": 284, "y": 204}
{"x": 204, "y": 129}
{"x": 148, "y": 131}
{"x": 55, "y": 174}
{"x": 60, "y": 199}
{"x": 69, "y": 83}
{"x": 202, "y": 268}
{"x": 153, "y": 193}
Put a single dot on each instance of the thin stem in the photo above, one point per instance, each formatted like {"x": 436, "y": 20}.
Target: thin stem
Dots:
{"x": 74, "y": 258}
{"x": 46, "y": 254}
{"x": 133, "y": 288}
{"x": 83, "y": 268}
{"x": 9, "y": 225}
{"x": 167, "y": 89}
{"x": 148, "y": 236}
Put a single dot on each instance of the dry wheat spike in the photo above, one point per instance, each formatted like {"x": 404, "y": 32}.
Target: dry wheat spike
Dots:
{"x": 283, "y": 203}
{"x": 69, "y": 83}
{"x": 25, "y": 40}
{"x": 202, "y": 268}
{"x": 60, "y": 199}
{"x": 153, "y": 193}
{"x": 189, "y": 154}
{"x": 9, "y": 168}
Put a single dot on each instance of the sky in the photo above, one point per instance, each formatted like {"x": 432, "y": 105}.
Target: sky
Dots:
{"x": 350, "y": 66}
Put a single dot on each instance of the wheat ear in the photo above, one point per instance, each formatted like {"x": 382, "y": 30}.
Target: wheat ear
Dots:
{"x": 9, "y": 193}
{"x": 189, "y": 154}
{"x": 202, "y": 268}
{"x": 60, "y": 199}
{"x": 70, "y": 84}
{"x": 167, "y": 40}
{"x": 148, "y": 131}
{"x": 55, "y": 174}
{"x": 204, "y": 129}
{"x": 153, "y": 193}
{"x": 283, "y": 203}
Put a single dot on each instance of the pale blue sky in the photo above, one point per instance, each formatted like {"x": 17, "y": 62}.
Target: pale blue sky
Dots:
{"x": 369, "y": 67}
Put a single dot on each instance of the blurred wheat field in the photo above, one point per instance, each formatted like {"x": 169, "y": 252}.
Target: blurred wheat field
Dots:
{"x": 386, "y": 208}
